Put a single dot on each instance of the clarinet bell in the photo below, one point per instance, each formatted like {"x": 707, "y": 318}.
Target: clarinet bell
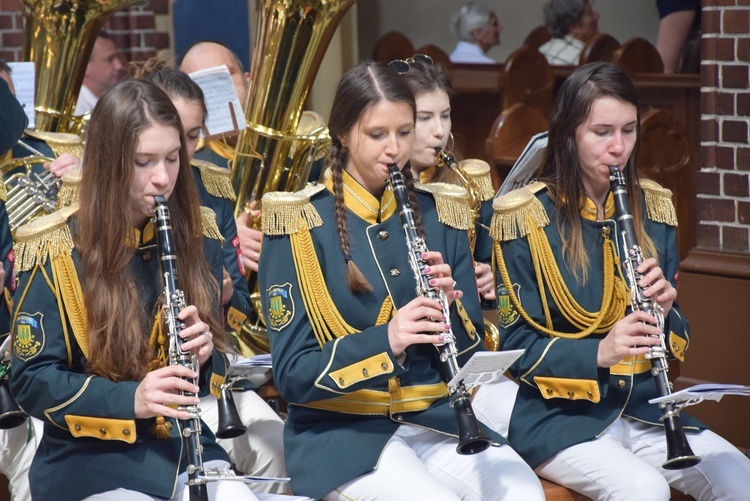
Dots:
{"x": 230, "y": 425}
{"x": 471, "y": 438}
{"x": 10, "y": 414}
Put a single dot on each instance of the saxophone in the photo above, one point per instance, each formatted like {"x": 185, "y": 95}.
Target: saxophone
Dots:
{"x": 471, "y": 438}
{"x": 679, "y": 454}
{"x": 174, "y": 301}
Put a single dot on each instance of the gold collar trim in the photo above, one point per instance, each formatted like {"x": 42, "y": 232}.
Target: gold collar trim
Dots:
{"x": 137, "y": 238}
{"x": 362, "y": 203}
{"x": 589, "y": 210}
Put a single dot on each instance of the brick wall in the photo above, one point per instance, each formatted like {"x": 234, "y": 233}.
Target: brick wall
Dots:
{"x": 134, "y": 30}
{"x": 723, "y": 181}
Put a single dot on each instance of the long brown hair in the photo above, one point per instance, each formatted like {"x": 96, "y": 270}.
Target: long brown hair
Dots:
{"x": 118, "y": 322}
{"x": 362, "y": 87}
{"x": 560, "y": 168}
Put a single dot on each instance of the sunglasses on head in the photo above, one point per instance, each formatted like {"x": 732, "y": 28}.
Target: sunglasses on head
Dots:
{"x": 402, "y": 66}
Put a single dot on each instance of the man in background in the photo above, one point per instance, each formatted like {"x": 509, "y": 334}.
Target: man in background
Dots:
{"x": 476, "y": 26}
{"x": 103, "y": 71}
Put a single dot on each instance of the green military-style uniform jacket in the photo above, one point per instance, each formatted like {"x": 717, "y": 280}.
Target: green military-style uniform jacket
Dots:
{"x": 564, "y": 398}
{"x": 92, "y": 441}
{"x": 216, "y": 192}
{"x": 333, "y": 363}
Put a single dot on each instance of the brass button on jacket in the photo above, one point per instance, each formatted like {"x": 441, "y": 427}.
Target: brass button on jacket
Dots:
{"x": 621, "y": 383}
{"x": 383, "y": 235}
{"x": 395, "y": 272}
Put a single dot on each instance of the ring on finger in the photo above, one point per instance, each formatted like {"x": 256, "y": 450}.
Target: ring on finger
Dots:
{"x": 209, "y": 335}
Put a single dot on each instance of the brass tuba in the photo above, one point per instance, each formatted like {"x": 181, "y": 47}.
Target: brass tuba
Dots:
{"x": 58, "y": 38}
{"x": 290, "y": 42}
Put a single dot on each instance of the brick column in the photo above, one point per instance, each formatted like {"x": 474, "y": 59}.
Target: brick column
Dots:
{"x": 135, "y": 30}
{"x": 723, "y": 181}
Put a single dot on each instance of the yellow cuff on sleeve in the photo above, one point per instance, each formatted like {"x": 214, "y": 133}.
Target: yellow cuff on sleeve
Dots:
{"x": 235, "y": 318}
{"x": 101, "y": 428}
{"x": 678, "y": 346}
{"x": 364, "y": 369}
{"x": 571, "y": 389}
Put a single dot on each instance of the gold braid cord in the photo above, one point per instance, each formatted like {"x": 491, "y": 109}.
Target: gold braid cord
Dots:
{"x": 527, "y": 217}
{"x": 3, "y": 193}
{"x": 325, "y": 319}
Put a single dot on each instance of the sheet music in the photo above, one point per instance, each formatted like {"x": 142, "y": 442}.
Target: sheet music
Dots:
{"x": 484, "y": 367}
{"x": 24, "y": 81}
{"x": 527, "y": 164}
{"x": 257, "y": 368}
{"x": 700, "y": 392}
{"x": 225, "y": 114}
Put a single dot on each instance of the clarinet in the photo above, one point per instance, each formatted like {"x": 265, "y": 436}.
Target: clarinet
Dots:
{"x": 679, "y": 454}
{"x": 174, "y": 301}
{"x": 471, "y": 438}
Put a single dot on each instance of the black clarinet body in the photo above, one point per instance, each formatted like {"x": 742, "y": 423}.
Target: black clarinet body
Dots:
{"x": 174, "y": 301}
{"x": 471, "y": 437}
{"x": 679, "y": 454}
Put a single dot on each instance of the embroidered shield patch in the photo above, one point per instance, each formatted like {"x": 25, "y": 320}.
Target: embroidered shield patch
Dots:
{"x": 29, "y": 337}
{"x": 506, "y": 311}
{"x": 280, "y": 306}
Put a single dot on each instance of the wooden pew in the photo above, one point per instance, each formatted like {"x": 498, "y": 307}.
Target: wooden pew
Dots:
{"x": 638, "y": 55}
{"x": 600, "y": 47}
{"x": 509, "y": 135}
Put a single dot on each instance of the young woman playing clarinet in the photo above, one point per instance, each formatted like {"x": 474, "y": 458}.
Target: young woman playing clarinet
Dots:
{"x": 582, "y": 416}
{"x": 90, "y": 338}
{"x": 354, "y": 350}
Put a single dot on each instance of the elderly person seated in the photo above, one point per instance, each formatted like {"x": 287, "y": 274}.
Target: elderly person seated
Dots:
{"x": 477, "y": 29}
{"x": 571, "y": 23}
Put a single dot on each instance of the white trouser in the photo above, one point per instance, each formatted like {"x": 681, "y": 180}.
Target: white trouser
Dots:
{"x": 625, "y": 464}
{"x": 260, "y": 451}
{"x": 423, "y": 464}
{"x": 18, "y": 448}
{"x": 493, "y": 403}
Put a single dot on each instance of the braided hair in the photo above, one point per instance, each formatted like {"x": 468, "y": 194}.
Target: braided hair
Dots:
{"x": 366, "y": 85}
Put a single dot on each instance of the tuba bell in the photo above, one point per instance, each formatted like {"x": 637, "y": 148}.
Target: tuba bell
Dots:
{"x": 271, "y": 154}
{"x": 58, "y": 37}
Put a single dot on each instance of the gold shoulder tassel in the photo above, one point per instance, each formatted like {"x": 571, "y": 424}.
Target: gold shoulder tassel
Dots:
{"x": 44, "y": 238}
{"x": 659, "y": 206}
{"x": 68, "y": 193}
{"x": 517, "y": 213}
{"x": 210, "y": 228}
{"x": 216, "y": 179}
{"x": 3, "y": 193}
{"x": 282, "y": 212}
{"x": 478, "y": 171}
{"x": 452, "y": 203}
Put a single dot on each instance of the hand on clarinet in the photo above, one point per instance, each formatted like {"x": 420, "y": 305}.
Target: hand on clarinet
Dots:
{"x": 441, "y": 275}
{"x": 196, "y": 334}
{"x": 159, "y": 394}
{"x": 655, "y": 286}
{"x": 485, "y": 281}
{"x": 632, "y": 335}
{"x": 420, "y": 321}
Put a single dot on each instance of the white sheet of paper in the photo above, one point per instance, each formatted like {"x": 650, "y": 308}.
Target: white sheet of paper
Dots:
{"x": 24, "y": 80}
{"x": 484, "y": 367}
{"x": 220, "y": 94}
{"x": 526, "y": 165}
{"x": 708, "y": 391}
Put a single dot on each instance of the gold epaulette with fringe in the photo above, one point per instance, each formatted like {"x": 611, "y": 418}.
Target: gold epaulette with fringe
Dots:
{"x": 44, "y": 239}
{"x": 478, "y": 172}
{"x": 216, "y": 179}
{"x": 208, "y": 222}
{"x": 452, "y": 203}
{"x": 282, "y": 211}
{"x": 3, "y": 193}
{"x": 659, "y": 206}
{"x": 68, "y": 193}
{"x": 517, "y": 212}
